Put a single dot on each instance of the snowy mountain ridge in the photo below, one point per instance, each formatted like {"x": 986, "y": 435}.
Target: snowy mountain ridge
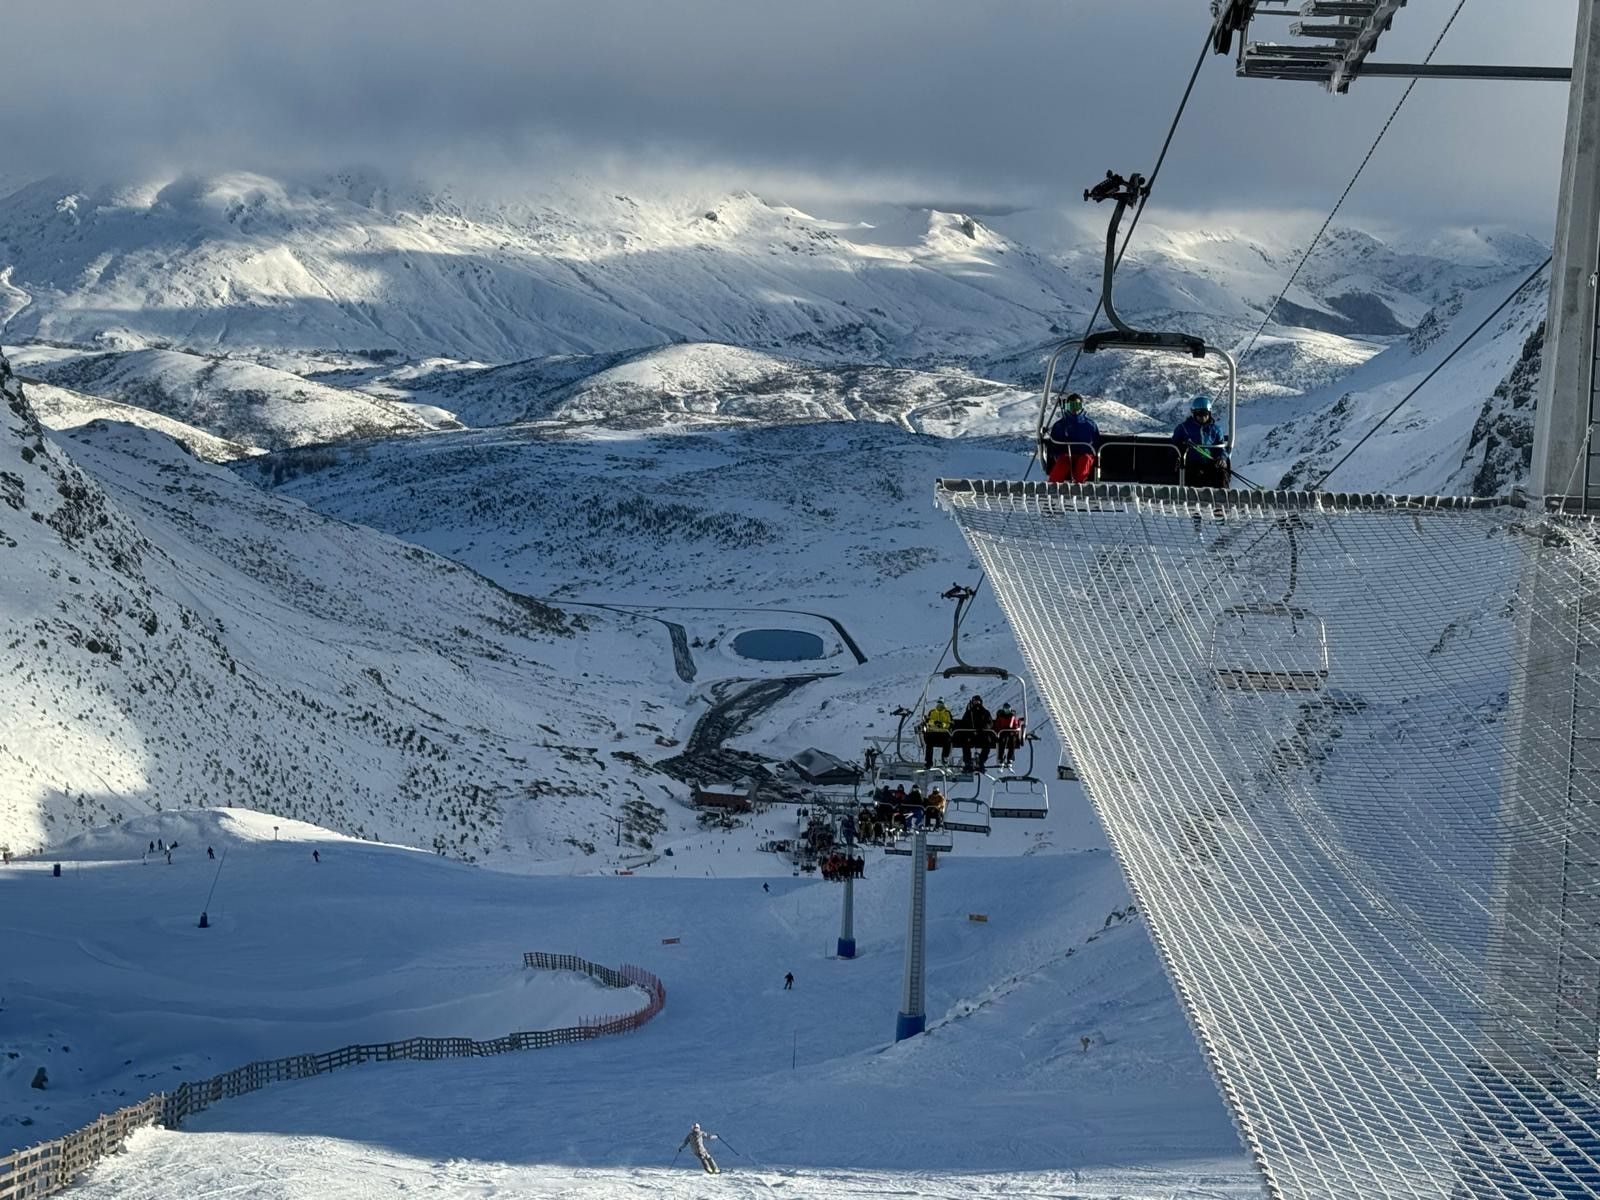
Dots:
{"x": 249, "y": 265}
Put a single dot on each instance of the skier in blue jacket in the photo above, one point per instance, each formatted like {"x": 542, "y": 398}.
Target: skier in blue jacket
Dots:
{"x": 1204, "y": 446}
{"x": 1074, "y": 444}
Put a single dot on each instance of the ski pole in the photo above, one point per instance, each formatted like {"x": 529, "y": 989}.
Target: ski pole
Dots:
{"x": 675, "y": 1157}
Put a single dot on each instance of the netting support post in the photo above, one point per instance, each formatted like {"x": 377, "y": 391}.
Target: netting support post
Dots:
{"x": 913, "y": 1018}
{"x": 847, "y": 921}
{"x": 1561, "y": 445}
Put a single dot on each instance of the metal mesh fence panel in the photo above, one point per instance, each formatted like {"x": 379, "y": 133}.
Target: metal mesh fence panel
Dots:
{"x": 1347, "y": 750}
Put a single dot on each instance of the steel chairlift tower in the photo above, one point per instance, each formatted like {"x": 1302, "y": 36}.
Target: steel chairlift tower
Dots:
{"x": 1550, "y": 978}
{"x": 970, "y": 814}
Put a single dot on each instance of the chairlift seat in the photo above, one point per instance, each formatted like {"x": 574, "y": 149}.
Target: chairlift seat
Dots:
{"x": 1019, "y": 797}
{"x": 1140, "y": 458}
{"x": 1154, "y": 459}
{"x": 1242, "y": 679}
{"x": 1269, "y": 647}
{"x": 939, "y": 841}
{"x": 966, "y": 816}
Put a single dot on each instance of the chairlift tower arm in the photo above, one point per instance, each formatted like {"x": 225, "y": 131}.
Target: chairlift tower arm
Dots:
{"x": 1335, "y": 39}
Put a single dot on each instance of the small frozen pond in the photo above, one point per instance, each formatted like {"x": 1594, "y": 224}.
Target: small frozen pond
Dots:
{"x": 778, "y": 645}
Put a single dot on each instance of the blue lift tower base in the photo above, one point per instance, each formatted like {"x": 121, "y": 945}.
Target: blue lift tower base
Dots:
{"x": 908, "y": 1025}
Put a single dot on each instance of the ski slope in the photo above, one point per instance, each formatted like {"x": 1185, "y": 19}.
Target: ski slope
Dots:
{"x": 124, "y": 995}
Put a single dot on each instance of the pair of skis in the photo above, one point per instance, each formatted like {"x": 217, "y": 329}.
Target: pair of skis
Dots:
{"x": 711, "y": 1167}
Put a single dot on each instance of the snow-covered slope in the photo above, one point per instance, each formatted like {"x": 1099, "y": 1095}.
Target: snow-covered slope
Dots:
{"x": 1469, "y": 430}
{"x": 118, "y": 994}
{"x": 63, "y": 409}
{"x": 177, "y": 637}
{"x": 243, "y": 402}
{"x": 242, "y": 261}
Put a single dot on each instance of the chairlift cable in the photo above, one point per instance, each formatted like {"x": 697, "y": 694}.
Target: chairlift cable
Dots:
{"x": 1266, "y": 318}
{"x": 1155, "y": 172}
{"x": 1460, "y": 346}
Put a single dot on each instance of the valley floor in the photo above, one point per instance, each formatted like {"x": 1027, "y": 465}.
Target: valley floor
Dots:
{"x": 999, "y": 1098}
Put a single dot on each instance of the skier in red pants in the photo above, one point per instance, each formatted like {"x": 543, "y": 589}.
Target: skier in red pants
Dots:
{"x": 1071, "y": 450}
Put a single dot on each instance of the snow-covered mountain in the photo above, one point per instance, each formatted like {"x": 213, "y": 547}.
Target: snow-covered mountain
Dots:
{"x": 675, "y": 384}
{"x": 1468, "y": 431}
{"x": 178, "y": 637}
{"x": 244, "y": 263}
{"x": 255, "y": 406}
{"x": 781, "y": 466}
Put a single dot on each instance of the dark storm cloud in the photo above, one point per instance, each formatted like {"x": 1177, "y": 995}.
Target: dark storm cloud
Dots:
{"x": 1004, "y": 100}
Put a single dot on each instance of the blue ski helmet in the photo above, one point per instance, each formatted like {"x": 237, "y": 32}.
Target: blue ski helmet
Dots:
{"x": 1201, "y": 403}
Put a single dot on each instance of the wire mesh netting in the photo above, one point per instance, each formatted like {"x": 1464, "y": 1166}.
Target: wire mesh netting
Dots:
{"x": 1347, "y": 749}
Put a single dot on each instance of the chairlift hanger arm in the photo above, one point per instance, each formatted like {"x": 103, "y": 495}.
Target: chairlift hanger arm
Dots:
{"x": 963, "y": 596}
{"x": 1125, "y": 192}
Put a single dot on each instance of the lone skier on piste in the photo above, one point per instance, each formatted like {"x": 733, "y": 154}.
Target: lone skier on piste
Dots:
{"x": 696, "y": 1141}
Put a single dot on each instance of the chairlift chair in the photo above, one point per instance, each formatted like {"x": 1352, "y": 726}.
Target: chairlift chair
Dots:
{"x": 1269, "y": 647}
{"x": 939, "y": 841}
{"x": 966, "y": 815}
{"x": 1139, "y": 458}
{"x": 1019, "y": 796}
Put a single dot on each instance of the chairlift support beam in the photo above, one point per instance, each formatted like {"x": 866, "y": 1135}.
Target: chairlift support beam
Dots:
{"x": 1342, "y": 35}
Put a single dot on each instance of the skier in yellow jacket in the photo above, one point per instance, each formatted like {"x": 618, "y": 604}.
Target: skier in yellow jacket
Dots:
{"x": 936, "y": 733}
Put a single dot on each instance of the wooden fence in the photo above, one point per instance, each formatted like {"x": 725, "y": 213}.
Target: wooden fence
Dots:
{"x": 49, "y": 1167}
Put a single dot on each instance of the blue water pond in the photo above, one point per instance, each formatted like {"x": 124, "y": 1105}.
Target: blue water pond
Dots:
{"x": 778, "y": 645}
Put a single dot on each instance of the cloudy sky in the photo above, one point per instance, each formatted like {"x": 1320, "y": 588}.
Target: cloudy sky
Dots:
{"x": 1001, "y": 102}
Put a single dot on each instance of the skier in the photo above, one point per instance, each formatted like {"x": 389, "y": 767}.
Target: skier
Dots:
{"x": 210, "y": 853}
{"x": 936, "y": 734}
{"x": 788, "y": 981}
{"x": 316, "y": 856}
{"x": 1072, "y": 450}
{"x": 696, "y": 1141}
{"x": 765, "y": 888}
{"x": 1204, "y": 446}
{"x": 1007, "y": 735}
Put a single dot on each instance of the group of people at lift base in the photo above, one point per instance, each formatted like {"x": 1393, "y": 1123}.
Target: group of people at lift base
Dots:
{"x": 975, "y": 733}
{"x": 1073, "y": 448}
